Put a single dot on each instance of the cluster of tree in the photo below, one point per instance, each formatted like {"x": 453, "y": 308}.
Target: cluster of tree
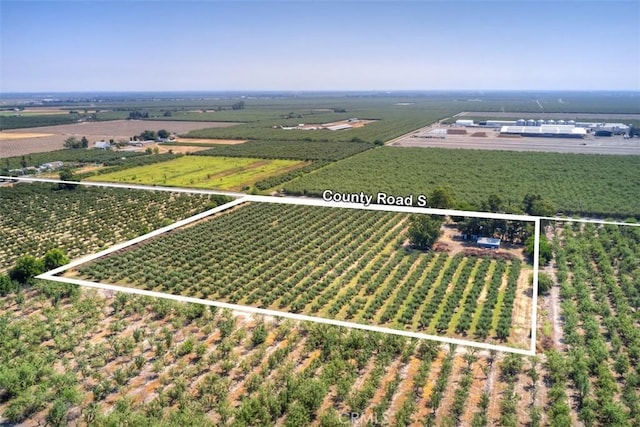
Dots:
{"x": 67, "y": 174}
{"x": 28, "y": 267}
{"x": 511, "y": 231}
{"x": 545, "y": 251}
{"x": 238, "y": 105}
{"x": 424, "y": 230}
{"x": 73, "y": 142}
{"x": 136, "y": 115}
{"x": 545, "y": 283}
{"x": 516, "y": 232}
{"x": 441, "y": 198}
{"x": 148, "y": 135}
{"x": 534, "y": 204}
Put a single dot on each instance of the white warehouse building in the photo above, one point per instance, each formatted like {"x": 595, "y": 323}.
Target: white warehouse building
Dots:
{"x": 465, "y": 123}
{"x": 556, "y": 131}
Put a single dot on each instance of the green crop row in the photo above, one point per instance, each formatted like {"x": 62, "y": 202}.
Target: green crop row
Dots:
{"x": 37, "y": 217}
{"x": 574, "y": 183}
{"x": 29, "y": 121}
{"x": 329, "y": 262}
{"x": 290, "y": 149}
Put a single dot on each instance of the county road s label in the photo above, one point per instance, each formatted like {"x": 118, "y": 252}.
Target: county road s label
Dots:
{"x": 379, "y": 199}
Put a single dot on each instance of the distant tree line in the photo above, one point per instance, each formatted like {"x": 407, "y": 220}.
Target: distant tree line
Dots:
{"x": 150, "y": 135}
{"x": 137, "y": 115}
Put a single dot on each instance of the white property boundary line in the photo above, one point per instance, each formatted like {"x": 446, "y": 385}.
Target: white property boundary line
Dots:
{"x": 294, "y": 316}
{"x": 270, "y": 199}
{"x": 142, "y": 238}
{"x": 51, "y": 275}
{"x": 126, "y": 186}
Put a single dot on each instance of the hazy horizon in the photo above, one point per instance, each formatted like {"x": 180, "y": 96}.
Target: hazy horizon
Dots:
{"x": 301, "y": 46}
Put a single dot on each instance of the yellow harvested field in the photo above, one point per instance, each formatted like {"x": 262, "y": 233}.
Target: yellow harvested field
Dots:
{"x": 44, "y": 111}
{"x": 6, "y": 136}
{"x": 210, "y": 141}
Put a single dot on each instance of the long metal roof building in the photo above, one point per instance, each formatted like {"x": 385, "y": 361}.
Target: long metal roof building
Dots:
{"x": 562, "y": 131}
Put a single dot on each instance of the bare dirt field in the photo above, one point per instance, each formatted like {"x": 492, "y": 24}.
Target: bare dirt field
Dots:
{"x": 94, "y": 131}
{"x": 588, "y": 145}
{"x": 210, "y": 141}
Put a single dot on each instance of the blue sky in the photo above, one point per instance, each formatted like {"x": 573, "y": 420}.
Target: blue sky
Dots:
{"x": 318, "y": 45}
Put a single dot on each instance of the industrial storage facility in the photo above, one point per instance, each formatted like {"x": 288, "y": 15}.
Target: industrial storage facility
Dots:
{"x": 465, "y": 123}
{"x": 548, "y": 127}
{"x": 556, "y": 131}
{"x": 596, "y": 128}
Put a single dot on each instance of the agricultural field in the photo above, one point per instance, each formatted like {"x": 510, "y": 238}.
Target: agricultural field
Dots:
{"x": 292, "y": 150}
{"x": 15, "y": 135}
{"x": 74, "y": 356}
{"x": 582, "y": 184}
{"x": 94, "y": 131}
{"x": 73, "y": 157}
{"x": 77, "y": 356}
{"x": 37, "y": 217}
{"x": 32, "y": 120}
{"x": 598, "y": 270}
{"x": 69, "y": 356}
{"x": 387, "y": 125}
{"x": 105, "y": 358}
{"x": 332, "y": 263}
{"x": 397, "y": 113}
{"x": 235, "y": 173}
